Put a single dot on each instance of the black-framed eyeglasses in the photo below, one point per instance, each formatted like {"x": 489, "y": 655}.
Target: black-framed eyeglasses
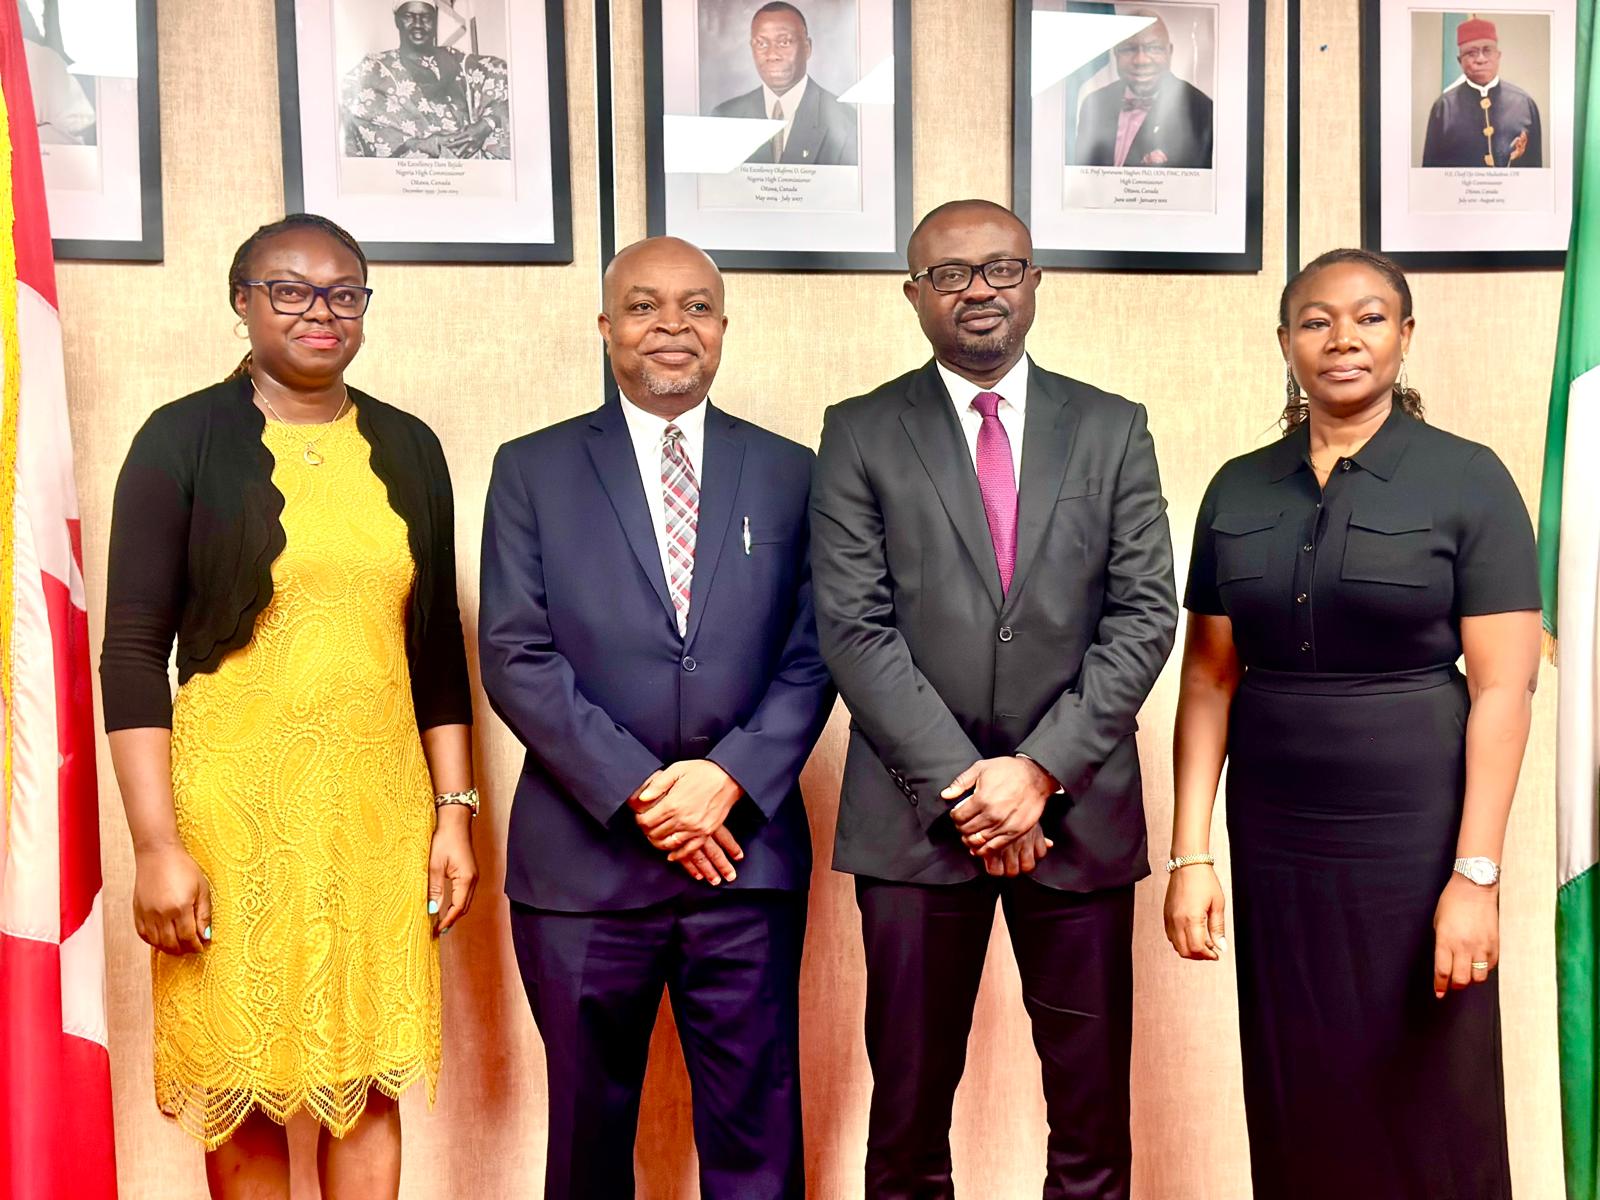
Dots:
{"x": 294, "y": 297}
{"x": 957, "y": 277}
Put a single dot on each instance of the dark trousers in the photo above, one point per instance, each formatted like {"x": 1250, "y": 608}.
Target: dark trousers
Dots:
{"x": 925, "y": 951}
{"x": 731, "y": 964}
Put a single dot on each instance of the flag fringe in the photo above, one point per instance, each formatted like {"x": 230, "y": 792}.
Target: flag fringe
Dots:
{"x": 1547, "y": 646}
{"x": 8, "y": 447}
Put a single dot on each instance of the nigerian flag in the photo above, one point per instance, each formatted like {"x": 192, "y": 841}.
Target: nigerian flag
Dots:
{"x": 1569, "y": 561}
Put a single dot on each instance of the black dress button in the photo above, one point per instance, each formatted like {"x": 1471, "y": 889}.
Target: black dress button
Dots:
{"x": 1300, "y": 599}
{"x": 1308, "y": 547}
{"x": 1345, "y": 465}
{"x": 913, "y": 801}
{"x": 1304, "y": 646}
{"x": 688, "y": 663}
{"x": 1005, "y": 633}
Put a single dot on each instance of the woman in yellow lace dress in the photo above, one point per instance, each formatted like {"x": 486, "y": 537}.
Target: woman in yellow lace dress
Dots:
{"x": 302, "y": 811}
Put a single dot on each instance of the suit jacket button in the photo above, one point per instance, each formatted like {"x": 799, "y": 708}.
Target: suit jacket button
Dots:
{"x": 913, "y": 800}
{"x": 688, "y": 663}
{"x": 1005, "y": 633}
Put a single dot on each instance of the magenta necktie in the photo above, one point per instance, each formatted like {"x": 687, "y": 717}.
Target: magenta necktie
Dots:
{"x": 998, "y": 485}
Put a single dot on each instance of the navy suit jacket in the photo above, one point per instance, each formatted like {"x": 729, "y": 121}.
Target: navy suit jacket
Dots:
{"x": 581, "y": 656}
{"x": 824, "y": 133}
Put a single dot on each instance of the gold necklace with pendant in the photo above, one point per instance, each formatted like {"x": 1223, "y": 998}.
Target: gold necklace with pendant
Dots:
{"x": 310, "y": 454}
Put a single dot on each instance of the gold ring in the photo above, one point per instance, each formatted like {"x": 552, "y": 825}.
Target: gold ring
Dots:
{"x": 1483, "y": 966}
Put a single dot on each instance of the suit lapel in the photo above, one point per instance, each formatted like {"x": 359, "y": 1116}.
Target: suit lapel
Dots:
{"x": 611, "y": 449}
{"x": 719, "y": 488}
{"x": 1047, "y": 434}
{"x": 805, "y": 135}
{"x": 930, "y": 422}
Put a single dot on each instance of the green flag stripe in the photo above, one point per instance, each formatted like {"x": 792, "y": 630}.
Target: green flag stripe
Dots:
{"x": 1578, "y": 991}
{"x": 1578, "y": 341}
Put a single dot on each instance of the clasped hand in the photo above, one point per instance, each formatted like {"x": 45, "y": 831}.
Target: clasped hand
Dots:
{"x": 999, "y": 821}
{"x": 681, "y": 809}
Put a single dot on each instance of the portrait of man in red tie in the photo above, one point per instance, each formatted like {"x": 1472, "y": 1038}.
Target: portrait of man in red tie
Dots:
{"x": 1146, "y": 117}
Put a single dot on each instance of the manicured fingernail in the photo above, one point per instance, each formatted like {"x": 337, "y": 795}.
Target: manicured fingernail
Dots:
{"x": 446, "y": 930}
{"x": 433, "y": 908}
{"x": 1438, "y": 995}
{"x": 207, "y": 933}
{"x": 1222, "y": 944}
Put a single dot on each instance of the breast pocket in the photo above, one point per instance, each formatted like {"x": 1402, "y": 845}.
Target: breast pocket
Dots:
{"x": 1242, "y": 541}
{"x": 1388, "y": 547}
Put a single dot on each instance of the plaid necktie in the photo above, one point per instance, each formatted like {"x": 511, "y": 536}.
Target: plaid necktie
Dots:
{"x": 682, "y": 493}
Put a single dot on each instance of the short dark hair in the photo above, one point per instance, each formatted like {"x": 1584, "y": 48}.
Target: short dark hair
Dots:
{"x": 949, "y": 206}
{"x": 1408, "y": 398}
{"x": 778, "y": 6}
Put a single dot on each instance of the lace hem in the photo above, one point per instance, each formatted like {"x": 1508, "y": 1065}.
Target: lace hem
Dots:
{"x": 211, "y": 1112}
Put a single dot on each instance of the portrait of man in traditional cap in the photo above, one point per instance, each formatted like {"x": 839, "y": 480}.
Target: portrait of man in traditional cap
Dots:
{"x": 427, "y": 99}
{"x": 1481, "y": 120}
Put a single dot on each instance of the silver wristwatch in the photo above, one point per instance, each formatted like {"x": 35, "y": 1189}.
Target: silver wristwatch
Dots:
{"x": 1484, "y": 872}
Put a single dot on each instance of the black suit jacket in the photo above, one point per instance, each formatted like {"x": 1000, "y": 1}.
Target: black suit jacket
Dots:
{"x": 581, "y": 656}
{"x": 824, "y": 133}
{"x": 1178, "y": 124}
{"x": 938, "y": 669}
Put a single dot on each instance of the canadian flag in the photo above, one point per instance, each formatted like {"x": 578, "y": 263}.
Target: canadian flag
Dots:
{"x": 55, "y": 1074}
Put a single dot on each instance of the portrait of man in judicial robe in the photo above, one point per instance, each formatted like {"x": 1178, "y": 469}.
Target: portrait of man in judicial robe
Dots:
{"x": 819, "y": 130}
{"x": 1482, "y": 120}
{"x": 1147, "y": 117}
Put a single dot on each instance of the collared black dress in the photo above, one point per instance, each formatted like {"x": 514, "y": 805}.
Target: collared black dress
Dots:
{"x": 1455, "y": 128}
{"x": 1346, "y": 773}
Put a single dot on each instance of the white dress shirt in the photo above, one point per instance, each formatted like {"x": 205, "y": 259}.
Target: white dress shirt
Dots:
{"x": 1012, "y": 410}
{"x": 790, "y": 101}
{"x": 648, "y": 432}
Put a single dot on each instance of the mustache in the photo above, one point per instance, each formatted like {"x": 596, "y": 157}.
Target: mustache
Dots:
{"x": 983, "y": 308}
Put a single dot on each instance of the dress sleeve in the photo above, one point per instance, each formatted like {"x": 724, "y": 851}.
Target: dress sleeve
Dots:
{"x": 1200, "y": 593}
{"x": 146, "y": 578}
{"x": 1497, "y": 566}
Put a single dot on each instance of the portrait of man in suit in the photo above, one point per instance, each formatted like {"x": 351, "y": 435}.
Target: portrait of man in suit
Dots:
{"x": 646, "y": 631}
{"x": 1482, "y": 120}
{"x": 818, "y": 129}
{"x": 1147, "y": 117}
{"x": 995, "y": 599}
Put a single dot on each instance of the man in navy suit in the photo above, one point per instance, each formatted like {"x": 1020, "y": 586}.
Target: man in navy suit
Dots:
{"x": 646, "y": 631}
{"x": 819, "y": 129}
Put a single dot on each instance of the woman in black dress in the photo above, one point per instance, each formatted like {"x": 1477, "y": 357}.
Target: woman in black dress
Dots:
{"x": 1337, "y": 576}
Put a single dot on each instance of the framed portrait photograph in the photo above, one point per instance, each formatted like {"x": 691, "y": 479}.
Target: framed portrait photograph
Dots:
{"x": 1138, "y": 132}
{"x": 92, "y": 70}
{"x": 1467, "y": 132}
{"x": 778, "y": 135}
{"x": 433, "y": 130}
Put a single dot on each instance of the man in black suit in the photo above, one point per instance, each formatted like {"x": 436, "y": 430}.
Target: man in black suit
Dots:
{"x": 1148, "y": 117}
{"x": 995, "y": 599}
{"x": 818, "y": 130}
{"x": 646, "y": 631}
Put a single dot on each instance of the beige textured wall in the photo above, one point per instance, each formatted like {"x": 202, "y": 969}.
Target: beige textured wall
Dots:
{"x": 485, "y": 353}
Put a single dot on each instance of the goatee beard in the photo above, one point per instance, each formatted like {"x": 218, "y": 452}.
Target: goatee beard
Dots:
{"x": 658, "y": 385}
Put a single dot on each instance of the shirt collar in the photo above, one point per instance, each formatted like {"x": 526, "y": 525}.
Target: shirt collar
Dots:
{"x": 791, "y": 99}
{"x": 1012, "y": 388}
{"x": 1484, "y": 89}
{"x": 647, "y": 426}
{"x": 1380, "y": 456}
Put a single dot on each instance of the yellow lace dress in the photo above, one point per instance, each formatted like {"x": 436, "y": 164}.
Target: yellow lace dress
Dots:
{"x": 302, "y": 791}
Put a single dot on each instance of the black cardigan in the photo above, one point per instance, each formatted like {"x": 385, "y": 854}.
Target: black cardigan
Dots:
{"x": 195, "y": 531}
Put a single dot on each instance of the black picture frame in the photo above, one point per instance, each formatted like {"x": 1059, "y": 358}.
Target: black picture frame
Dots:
{"x": 1166, "y": 261}
{"x": 558, "y": 250}
{"x": 1373, "y": 175}
{"x": 150, "y": 245}
{"x": 770, "y": 259}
